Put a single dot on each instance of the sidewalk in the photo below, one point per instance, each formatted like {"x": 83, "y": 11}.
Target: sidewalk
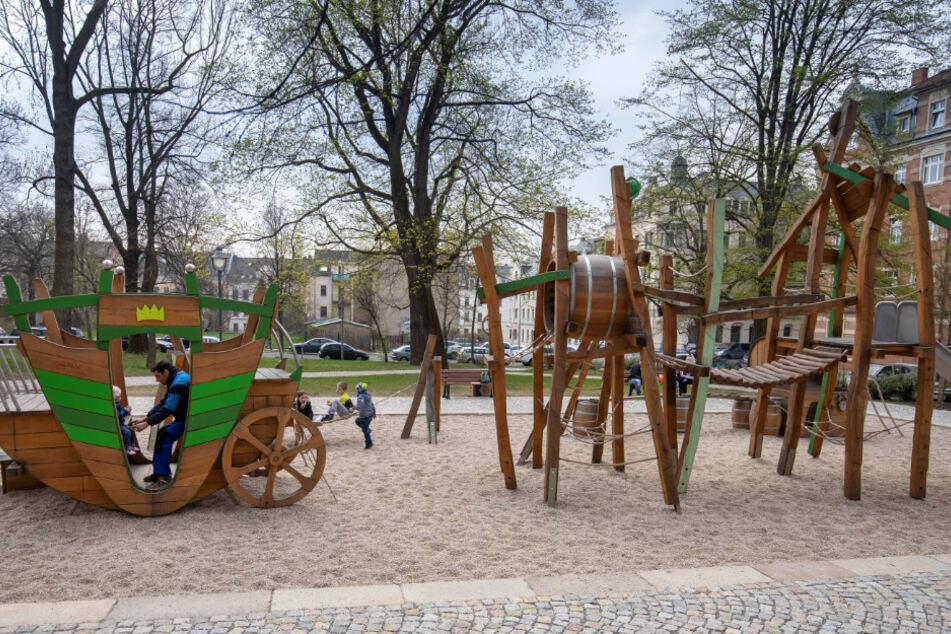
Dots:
{"x": 909, "y": 593}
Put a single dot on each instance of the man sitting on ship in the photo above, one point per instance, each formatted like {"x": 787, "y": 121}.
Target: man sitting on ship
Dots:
{"x": 175, "y": 404}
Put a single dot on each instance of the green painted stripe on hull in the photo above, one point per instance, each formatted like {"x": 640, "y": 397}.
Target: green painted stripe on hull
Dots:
{"x": 264, "y": 325}
{"x": 92, "y": 436}
{"x": 217, "y": 401}
{"x": 236, "y": 306}
{"x": 214, "y": 417}
{"x": 112, "y": 332}
{"x": 201, "y": 390}
{"x": 200, "y": 436}
{"x": 73, "y": 384}
{"x": 80, "y": 402}
{"x": 85, "y": 419}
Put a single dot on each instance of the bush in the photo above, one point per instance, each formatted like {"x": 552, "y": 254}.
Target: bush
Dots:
{"x": 896, "y": 388}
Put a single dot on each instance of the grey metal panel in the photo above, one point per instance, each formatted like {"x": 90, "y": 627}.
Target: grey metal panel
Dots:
{"x": 886, "y": 322}
{"x": 908, "y": 322}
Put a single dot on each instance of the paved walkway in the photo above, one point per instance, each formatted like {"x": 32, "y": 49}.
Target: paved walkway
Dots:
{"x": 885, "y": 594}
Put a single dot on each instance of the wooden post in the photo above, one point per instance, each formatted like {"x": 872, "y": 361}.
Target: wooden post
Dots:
{"x": 882, "y": 190}
{"x": 617, "y": 411}
{"x": 924, "y": 269}
{"x": 116, "y": 361}
{"x": 576, "y": 392}
{"x": 420, "y": 386}
{"x": 560, "y": 344}
{"x": 604, "y": 406}
{"x": 758, "y": 415}
{"x": 53, "y": 332}
{"x": 437, "y": 390}
{"x": 540, "y": 416}
{"x": 716, "y": 219}
{"x": 666, "y": 457}
{"x": 807, "y": 330}
{"x": 485, "y": 265}
{"x": 670, "y": 348}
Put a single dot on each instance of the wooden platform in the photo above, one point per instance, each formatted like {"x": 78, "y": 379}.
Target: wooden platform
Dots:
{"x": 27, "y": 402}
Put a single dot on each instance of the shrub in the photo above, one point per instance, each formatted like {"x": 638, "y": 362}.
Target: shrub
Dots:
{"x": 896, "y": 388}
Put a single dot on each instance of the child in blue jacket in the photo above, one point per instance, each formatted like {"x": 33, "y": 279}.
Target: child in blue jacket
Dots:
{"x": 366, "y": 412}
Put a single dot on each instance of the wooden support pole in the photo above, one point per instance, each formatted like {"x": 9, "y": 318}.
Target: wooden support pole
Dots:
{"x": 53, "y": 332}
{"x": 420, "y": 386}
{"x": 758, "y": 415}
{"x": 576, "y": 392}
{"x": 670, "y": 348}
{"x": 617, "y": 411}
{"x": 540, "y": 415}
{"x": 485, "y": 265}
{"x": 666, "y": 457}
{"x": 437, "y": 389}
{"x": 807, "y": 329}
{"x": 882, "y": 190}
{"x": 604, "y": 408}
{"x": 924, "y": 269}
{"x": 116, "y": 361}
{"x": 560, "y": 344}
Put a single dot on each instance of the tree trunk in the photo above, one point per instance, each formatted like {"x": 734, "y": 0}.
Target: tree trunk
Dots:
{"x": 64, "y": 171}
{"x": 424, "y": 317}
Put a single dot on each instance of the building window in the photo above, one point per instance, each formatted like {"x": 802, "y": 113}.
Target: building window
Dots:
{"x": 787, "y": 330}
{"x": 245, "y": 294}
{"x": 900, "y": 174}
{"x": 735, "y": 333}
{"x": 902, "y": 124}
{"x": 234, "y": 293}
{"x": 323, "y": 311}
{"x": 937, "y": 114}
{"x": 931, "y": 169}
{"x": 894, "y": 231}
{"x": 323, "y": 290}
{"x": 934, "y": 231}
{"x": 719, "y": 335}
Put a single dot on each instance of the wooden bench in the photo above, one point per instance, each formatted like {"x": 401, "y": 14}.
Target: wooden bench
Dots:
{"x": 463, "y": 376}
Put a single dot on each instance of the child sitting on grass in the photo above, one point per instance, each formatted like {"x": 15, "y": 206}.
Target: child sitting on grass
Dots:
{"x": 340, "y": 406}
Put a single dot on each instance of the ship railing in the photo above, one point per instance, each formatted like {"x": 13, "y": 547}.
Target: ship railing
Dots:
{"x": 17, "y": 381}
{"x": 282, "y": 336}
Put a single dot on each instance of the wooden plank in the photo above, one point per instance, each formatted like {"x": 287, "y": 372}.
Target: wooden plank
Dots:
{"x": 485, "y": 265}
{"x": 666, "y": 456}
{"x": 420, "y": 386}
{"x": 779, "y": 312}
{"x": 604, "y": 403}
{"x": 792, "y": 235}
{"x": 89, "y": 364}
{"x": 669, "y": 344}
{"x": 121, "y": 310}
{"x": 437, "y": 390}
{"x": 669, "y": 295}
{"x": 617, "y": 411}
{"x": 558, "y": 379}
{"x": 770, "y": 300}
{"x": 924, "y": 280}
{"x": 53, "y": 333}
{"x": 250, "y": 328}
{"x": 209, "y": 366}
{"x": 861, "y": 356}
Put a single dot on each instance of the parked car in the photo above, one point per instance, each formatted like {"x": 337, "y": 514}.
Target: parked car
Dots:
{"x": 312, "y": 346}
{"x": 333, "y": 351}
{"x": 883, "y": 371}
{"x": 210, "y": 339}
{"x": 527, "y": 359}
{"x": 473, "y": 355}
{"x": 39, "y": 331}
{"x": 736, "y": 354}
{"x": 452, "y": 350}
{"x": 163, "y": 343}
{"x": 400, "y": 354}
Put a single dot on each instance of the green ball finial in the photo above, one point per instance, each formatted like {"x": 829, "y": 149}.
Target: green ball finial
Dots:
{"x": 635, "y": 186}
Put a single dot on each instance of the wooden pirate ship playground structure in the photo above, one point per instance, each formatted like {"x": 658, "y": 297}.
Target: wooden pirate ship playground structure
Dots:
{"x": 601, "y": 301}
{"x": 60, "y": 424}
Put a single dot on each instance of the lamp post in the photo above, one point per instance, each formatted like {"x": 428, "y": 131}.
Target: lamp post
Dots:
{"x": 219, "y": 259}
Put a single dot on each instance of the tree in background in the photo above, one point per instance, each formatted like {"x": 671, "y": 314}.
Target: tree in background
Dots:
{"x": 441, "y": 129}
{"x": 284, "y": 249}
{"x": 748, "y": 85}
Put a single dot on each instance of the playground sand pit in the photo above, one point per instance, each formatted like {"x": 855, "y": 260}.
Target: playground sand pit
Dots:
{"x": 407, "y": 511}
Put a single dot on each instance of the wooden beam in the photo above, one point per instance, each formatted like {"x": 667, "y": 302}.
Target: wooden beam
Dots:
{"x": 861, "y": 352}
{"x": 669, "y": 346}
{"x": 617, "y": 411}
{"x": 560, "y": 344}
{"x": 792, "y": 235}
{"x": 924, "y": 279}
{"x": 420, "y": 385}
{"x": 779, "y": 312}
{"x": 485, "y": 265}
{"x": 539, "y": 415}
{"x": 53, "y": 332}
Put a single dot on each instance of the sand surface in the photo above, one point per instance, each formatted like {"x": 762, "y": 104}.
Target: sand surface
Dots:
{"x": 407, "y": 511}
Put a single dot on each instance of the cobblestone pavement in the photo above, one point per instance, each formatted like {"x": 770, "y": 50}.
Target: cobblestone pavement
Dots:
{"x": 914, "y": 602}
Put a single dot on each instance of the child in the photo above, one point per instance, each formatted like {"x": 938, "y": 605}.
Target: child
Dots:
{"x": 341, "y": 406}
{"x": 123, "y": 415}
{"x": 302, "y": 403}
{"x": 366, "y": 412}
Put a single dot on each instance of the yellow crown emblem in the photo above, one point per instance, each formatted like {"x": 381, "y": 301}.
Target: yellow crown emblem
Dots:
{"x": 153, "y": 313}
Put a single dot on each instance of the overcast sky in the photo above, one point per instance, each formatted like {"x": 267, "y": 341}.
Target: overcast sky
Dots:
{"x": 618, "y": 76}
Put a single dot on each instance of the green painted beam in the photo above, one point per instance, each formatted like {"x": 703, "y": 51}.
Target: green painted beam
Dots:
{"x": 528, "y": 282}
{"x": 93, "y": 436}
{"x": 214, "y": 417}
{"x": 112, "y": 332}
{"x": 270, "y": 300}
{"x": 208, "y": 433}
{"x": 297, "y": 374}
{"x": 53, "y": 303}
{"x": 85, "y": 419}
{"x": 73, "y": 384}
{"x": 217, "y": 401}
{"x": 228, "y": 383}
{"x": 14, "y": 298}
{"x": 702, "y": 384}
{"x": 900, "y": 200}
{"x": 106, "y": 407}
{"x": 105, "y": 282}
{"x": 235, "y": 305}
{"x": 191, "y": 284}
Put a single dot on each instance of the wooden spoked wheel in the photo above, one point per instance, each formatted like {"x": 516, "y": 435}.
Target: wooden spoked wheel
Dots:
{"x": 258, "y": 446}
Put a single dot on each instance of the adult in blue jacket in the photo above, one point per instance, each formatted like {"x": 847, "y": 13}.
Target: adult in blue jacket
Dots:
{"x": 175, "y": 404}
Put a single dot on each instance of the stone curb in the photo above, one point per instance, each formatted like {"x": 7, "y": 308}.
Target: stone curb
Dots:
{"x": 286, "y": 600}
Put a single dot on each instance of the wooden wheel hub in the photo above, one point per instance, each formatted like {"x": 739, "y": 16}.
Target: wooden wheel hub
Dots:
{"x": 256, "y": 446}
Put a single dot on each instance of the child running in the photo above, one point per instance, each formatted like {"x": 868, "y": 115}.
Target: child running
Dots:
{"x": 366, "y": 412}
{"x": 123, "y": 415}
{"x": 340, "y": 406}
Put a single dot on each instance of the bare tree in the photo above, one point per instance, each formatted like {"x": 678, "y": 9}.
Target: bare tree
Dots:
{"x": 434, "y": 138}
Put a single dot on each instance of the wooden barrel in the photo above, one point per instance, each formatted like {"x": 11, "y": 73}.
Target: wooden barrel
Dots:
{"x": 683, "y": 404}
{"x": 599, "y": 306}
{"x": 775, "y": 417}
{"x": 741, "y": 413}
{"x": 585, "y": 419}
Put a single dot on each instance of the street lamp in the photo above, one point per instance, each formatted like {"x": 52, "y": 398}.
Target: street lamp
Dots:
{"x": 219, "y": 259}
